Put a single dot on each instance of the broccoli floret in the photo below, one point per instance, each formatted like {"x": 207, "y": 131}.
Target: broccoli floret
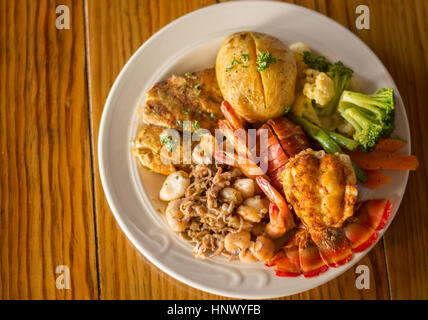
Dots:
{"x": 367, "y": 133}
{"x": 372, "y": 116}
{"x": 319, "y": 63}
{"x": 378, "y": 108}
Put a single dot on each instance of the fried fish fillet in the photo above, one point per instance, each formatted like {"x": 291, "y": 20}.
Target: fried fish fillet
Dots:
{"x": 148, "y": 148}
{"x": 193, "y": 97}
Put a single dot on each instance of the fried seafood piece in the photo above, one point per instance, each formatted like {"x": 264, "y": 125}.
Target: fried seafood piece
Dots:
{"x": 193, "y": 97}
{"x": 148, "y": 149}
{"x": 321, "y": 188}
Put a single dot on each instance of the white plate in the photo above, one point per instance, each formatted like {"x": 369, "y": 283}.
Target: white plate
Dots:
{"x": 189, "y": 44}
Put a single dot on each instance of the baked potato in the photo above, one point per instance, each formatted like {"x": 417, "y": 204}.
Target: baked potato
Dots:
{"x": 256, "y": 74}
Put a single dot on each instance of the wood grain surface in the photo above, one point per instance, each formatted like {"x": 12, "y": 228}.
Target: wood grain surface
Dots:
{"x": 52, "y": 206}
{"x": 46, "y": 215}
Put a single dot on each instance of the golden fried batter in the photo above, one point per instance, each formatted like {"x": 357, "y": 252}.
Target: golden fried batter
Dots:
{"x": 321, "y": 188}
{"x": 193, "y": 97}
{"x": 148, "y": 150}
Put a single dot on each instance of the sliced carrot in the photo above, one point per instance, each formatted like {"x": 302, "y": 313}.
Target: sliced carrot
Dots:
{"x": 389, "y": 145}
{"x": 376, "y": 179}
{"x": 379, "y": 160}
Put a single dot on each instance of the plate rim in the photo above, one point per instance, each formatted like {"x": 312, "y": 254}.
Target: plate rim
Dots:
{"x": 103, "y": 175}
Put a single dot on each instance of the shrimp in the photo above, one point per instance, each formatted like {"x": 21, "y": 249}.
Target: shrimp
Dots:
{"x": 280, "y": 216}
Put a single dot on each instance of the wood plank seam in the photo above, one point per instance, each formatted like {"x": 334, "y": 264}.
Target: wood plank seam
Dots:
{"x": 386, "y": 268}
{"x": 91, "y": 148}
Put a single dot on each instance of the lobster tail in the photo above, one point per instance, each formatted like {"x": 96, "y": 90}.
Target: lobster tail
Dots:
{"x": 378, "y": 212}
{"x": 311, "y": 262}
{"x": 333, "y": 246}
{"x": 359, "y": 235}
{"x": 299, "y": 255}
{"x": 291, "y": 136}
{"x": 275, "y": 179}
{"x": 276, "y": 155}
{"x": 361, "y": 229}
{"x": 286, "y": 260}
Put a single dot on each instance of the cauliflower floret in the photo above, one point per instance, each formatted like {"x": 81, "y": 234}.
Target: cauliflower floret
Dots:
{"x": 318, "y": 86}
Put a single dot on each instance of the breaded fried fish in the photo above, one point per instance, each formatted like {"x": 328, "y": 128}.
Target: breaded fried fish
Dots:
{"x": 193, "y": 97}
{"x": 148, "y": 147}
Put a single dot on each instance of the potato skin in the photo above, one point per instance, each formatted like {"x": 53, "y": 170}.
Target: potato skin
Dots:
{"x": 256, "y": 96}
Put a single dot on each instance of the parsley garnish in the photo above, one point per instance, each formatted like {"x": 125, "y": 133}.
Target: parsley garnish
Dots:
{"x": 197, "y": 90}
{"x": 232, "y": 64}
{"x": 245, "y": 57}
{"x": 186, "y": 111}
{"x": 167, "y": 141}
{"x": 264, "y": 59}
{"x": 212, "y": 115}
{"x": 244, "y": 67}
{"x": 188, "y": 74}
{"x": 234, "y": 61}
{"x": 195, "y": 125}
{"x": 285, "y": 111}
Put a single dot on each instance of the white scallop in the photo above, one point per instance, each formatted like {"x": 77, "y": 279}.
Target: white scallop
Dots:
{"x": 174, "y": 186}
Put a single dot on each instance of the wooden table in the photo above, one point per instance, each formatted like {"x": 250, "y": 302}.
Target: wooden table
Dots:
{"x": 53, "y": 85}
